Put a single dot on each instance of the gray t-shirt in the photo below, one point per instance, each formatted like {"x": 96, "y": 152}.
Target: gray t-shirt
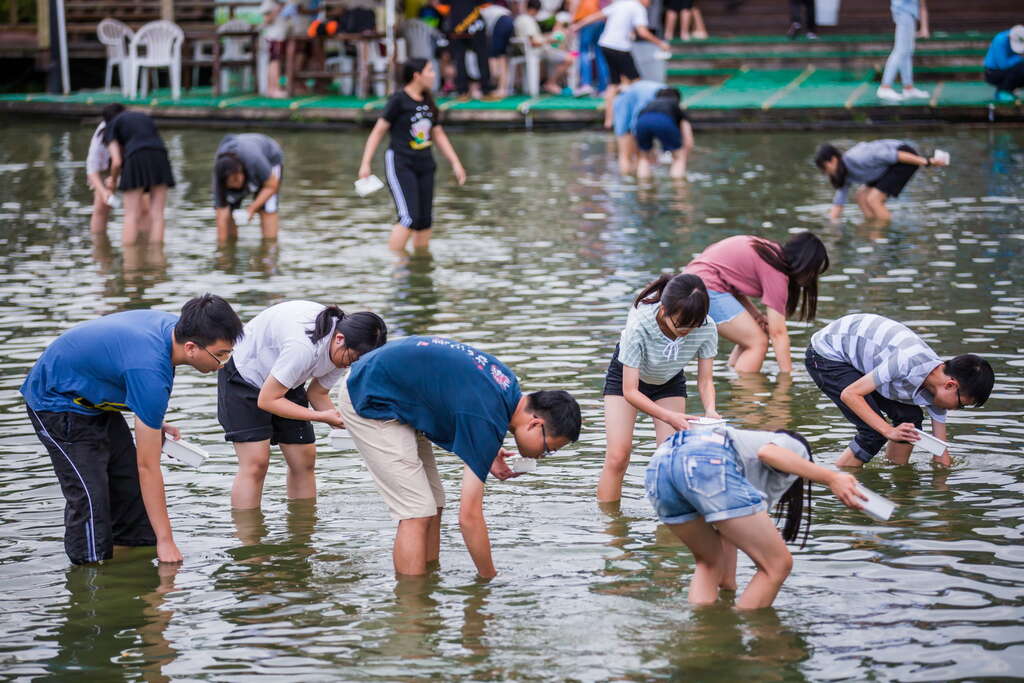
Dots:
{"x": 766, "y": 479}
{"x": 867, "y": 161}
{"x": 261, "y": 158}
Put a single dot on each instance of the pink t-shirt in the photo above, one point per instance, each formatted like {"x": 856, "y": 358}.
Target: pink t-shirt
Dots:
{"x": 733, "y": 266}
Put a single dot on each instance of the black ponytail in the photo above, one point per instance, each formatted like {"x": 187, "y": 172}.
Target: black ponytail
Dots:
{"x": 802, "y": 259}
{"x": 364, "y": 331}
{"x": 791, "y": 505}
{"x": 683, "y": 297}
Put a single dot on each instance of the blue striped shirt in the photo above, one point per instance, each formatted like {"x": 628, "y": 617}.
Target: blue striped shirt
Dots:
{"x": 897, "y": 359}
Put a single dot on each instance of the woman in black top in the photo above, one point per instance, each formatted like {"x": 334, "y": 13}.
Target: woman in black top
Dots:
{"x": 411, "y": 117}
{"x": 663, "y": 120}
{"x": 138, "y": 165}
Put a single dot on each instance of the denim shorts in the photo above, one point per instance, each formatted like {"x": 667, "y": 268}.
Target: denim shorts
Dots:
{"x": 724, "y": 306}
{"x": 695, "y": 474}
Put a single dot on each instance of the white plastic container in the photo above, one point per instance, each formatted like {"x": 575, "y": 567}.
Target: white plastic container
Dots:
{"x": 368, "y": 185}
{"x": 521, "y": 464}
{"x": 942, "y": 156}
{"x": 931, "y": 444}
{"x": 113, "y": 201}
{"x": 340, "y": 439}
{"x": 707, "y": 423}
{"x": 184, "y": 452}
{"x": 876, "y": 506}
{"x": 240, "y": 216}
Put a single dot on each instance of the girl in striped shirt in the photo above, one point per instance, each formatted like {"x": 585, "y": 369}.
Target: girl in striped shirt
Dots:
{"x": 668, "y": 326}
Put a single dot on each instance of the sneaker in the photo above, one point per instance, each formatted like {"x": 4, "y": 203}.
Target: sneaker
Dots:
{"x": 916, "y": 94}
{"x": 794, "y": 30}
{"x": 811, "y": 35}
{"x": 1005, "y": 97}
{"x": 584, "y": 91}
{"x": 886, "y": 93}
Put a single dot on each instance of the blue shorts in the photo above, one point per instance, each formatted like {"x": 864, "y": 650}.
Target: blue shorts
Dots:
{"x": 654, "y": 125}
{"x": 724, "y": 306}
{"x": 504, "y": 27}
{"x": 695, "y": 474}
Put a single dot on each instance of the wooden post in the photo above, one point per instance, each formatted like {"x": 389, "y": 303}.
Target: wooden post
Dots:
{"x": 12, "y": 12}
{"x": 167, "y": 10}
{"x": 43, "y": 24}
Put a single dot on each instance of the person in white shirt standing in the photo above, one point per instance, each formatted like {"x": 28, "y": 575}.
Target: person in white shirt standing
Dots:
{"x": 262, "y": 392}
{"x": 623, "y": 19}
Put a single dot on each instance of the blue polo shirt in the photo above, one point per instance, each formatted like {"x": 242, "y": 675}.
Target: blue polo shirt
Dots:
{"x": 119, "y": 362}
{"x": 999, "y": 55}
{"x": 460, "y": 397}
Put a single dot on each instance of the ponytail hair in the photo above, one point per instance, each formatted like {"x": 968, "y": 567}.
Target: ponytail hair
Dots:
{"x": 225, "y": 166}
{"x": 826, "y": 153}
{"x": 791, "y": 505}
{"x": 364, "y": 331}
{"x": 801, "y": 259}
{"x": 410, "y": 68}
{"x": 683, "y": 297}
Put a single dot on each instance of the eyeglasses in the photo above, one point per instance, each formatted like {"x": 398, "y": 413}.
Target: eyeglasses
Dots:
{"x": 959, "y": 403}
{"x": 544, "y": 441}
{"x": 220, "y": 362}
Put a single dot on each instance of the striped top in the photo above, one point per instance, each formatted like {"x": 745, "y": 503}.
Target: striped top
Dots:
{"x": 897, "y": 359}
{"x": 644, "y": 346}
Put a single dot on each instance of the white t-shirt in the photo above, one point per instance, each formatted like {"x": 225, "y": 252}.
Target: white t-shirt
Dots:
{"x": 491, "y": 14}
{"x": 621, "y": 19}
{"x": 276, "y": 344}
{"x": 527, "y": 27}
{"x": 98, "y": 159}
{"x": 765, "y": 478}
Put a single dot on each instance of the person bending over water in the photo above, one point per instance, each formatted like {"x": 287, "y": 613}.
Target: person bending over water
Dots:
{"x": 97, "y": 163}
{"x": 139, "y": 165}
{"x": 410, "y": 115}
{"x": 663, "y": 119}
{"x": 869, "y": 366}
{"x": 249, "y": 163}
{"x": 730, "y": 478}
{"x": 75, "y": 394}
{"x": 262, "y": 396}
{"x": 418, "y": 390}
{"x": 883, "y": 166}
{"x": 784, "y": 276}
{"x": 668, "y": 326}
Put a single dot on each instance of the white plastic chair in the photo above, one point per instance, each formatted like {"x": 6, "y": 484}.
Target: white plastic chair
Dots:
{"x": 156, "y": 45}
{"x": 236, "y": 49}
{"x": 115, "y": 35}
{"x": 529, "y": 59}
{"x": 342, "y": 63}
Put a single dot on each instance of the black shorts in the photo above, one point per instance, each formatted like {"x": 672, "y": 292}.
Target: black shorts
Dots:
{"x": 675, "y": 387}
{"x": 832, "y": 377}
{"x": 94, "y": 459}
{"x": 411, "y": 181}
{"x": 501, "y": 34}
{"x": 678, "y": 5}
{"x": 896, "y": 178}
{"x": 243, "y": 421}
{"x": 620, "y": 65}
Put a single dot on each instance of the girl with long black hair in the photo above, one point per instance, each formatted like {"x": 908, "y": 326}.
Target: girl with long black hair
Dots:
{"x": 668, "y": 326}
{"x": 263, "y": 397}
{"x": 731, "y": 478}
{"x": 783, "y": 276}
{"x": 411, "y": 117}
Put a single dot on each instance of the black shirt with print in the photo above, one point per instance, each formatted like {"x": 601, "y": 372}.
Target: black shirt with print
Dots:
{"x": 412, "y": 125}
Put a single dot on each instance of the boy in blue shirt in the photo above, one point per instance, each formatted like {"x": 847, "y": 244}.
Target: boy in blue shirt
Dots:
{"x": 75, "y": 394}
{"x": 1004, "y": 63}
{"x": 403, "y": 395}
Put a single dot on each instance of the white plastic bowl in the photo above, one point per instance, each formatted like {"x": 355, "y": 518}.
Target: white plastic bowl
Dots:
{"x": 876, "y": 506}
{"x": 340, "y": 439}
{"x": 185, "y": 452}
{"x": 707, "y": 423}
{"x": 931, "y": 444}
{"x": 521, "y": 464}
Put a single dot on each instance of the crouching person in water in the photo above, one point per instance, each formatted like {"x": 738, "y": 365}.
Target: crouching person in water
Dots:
{"x": 409, "y": 393}
{"x": 730, "y": 478}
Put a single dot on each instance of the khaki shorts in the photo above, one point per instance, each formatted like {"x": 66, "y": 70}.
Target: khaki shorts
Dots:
{"x": 400, "y": 460}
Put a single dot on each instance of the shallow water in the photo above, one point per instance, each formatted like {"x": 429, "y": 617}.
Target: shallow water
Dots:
{"x": 534, "y": 260}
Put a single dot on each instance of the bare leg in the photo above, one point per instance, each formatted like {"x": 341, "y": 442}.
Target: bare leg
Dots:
{"x": 875, "y": 200}
{"x": 862, "y": 202}
{"x": 434, "y": 538}
{"x": 663, "y": 430}
{"x": 757, "y": 536}
{"x": 670, "y": 23}
{"x": 421, "y": 238}
{"x": 619, "y": 418}
{"x": 626, "y": 145}
{"x": 644, "y": 162}
{"x": 609, "y": 102}
{"x": 399, "y": 237}
{"x": 848, "y": 459}
{"x": 411, "y": 544}
{"x": 132, "y": 216}
{"x": 146, "y": 220}
{"x": 748, "y": 336}
{"x": 157, "y": 202}
{"x": 678, "y": 169}
{"x": 301, "y": 459}
{"x": 898, "y": 452}
{"x": 728, "y": 582}
{"x": 100, "y": 214}
{"x": 686, "y": 16}
{"x": 253, "y": 463}
{"x": 268, "y": 224}
{"x": 706, "y": 546}
{"x": 700, "y": 32}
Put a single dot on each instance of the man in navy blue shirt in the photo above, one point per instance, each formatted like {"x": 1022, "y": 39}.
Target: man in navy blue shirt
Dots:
{"x": 418, "y": 390}
{"x": 75, "y": 394}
